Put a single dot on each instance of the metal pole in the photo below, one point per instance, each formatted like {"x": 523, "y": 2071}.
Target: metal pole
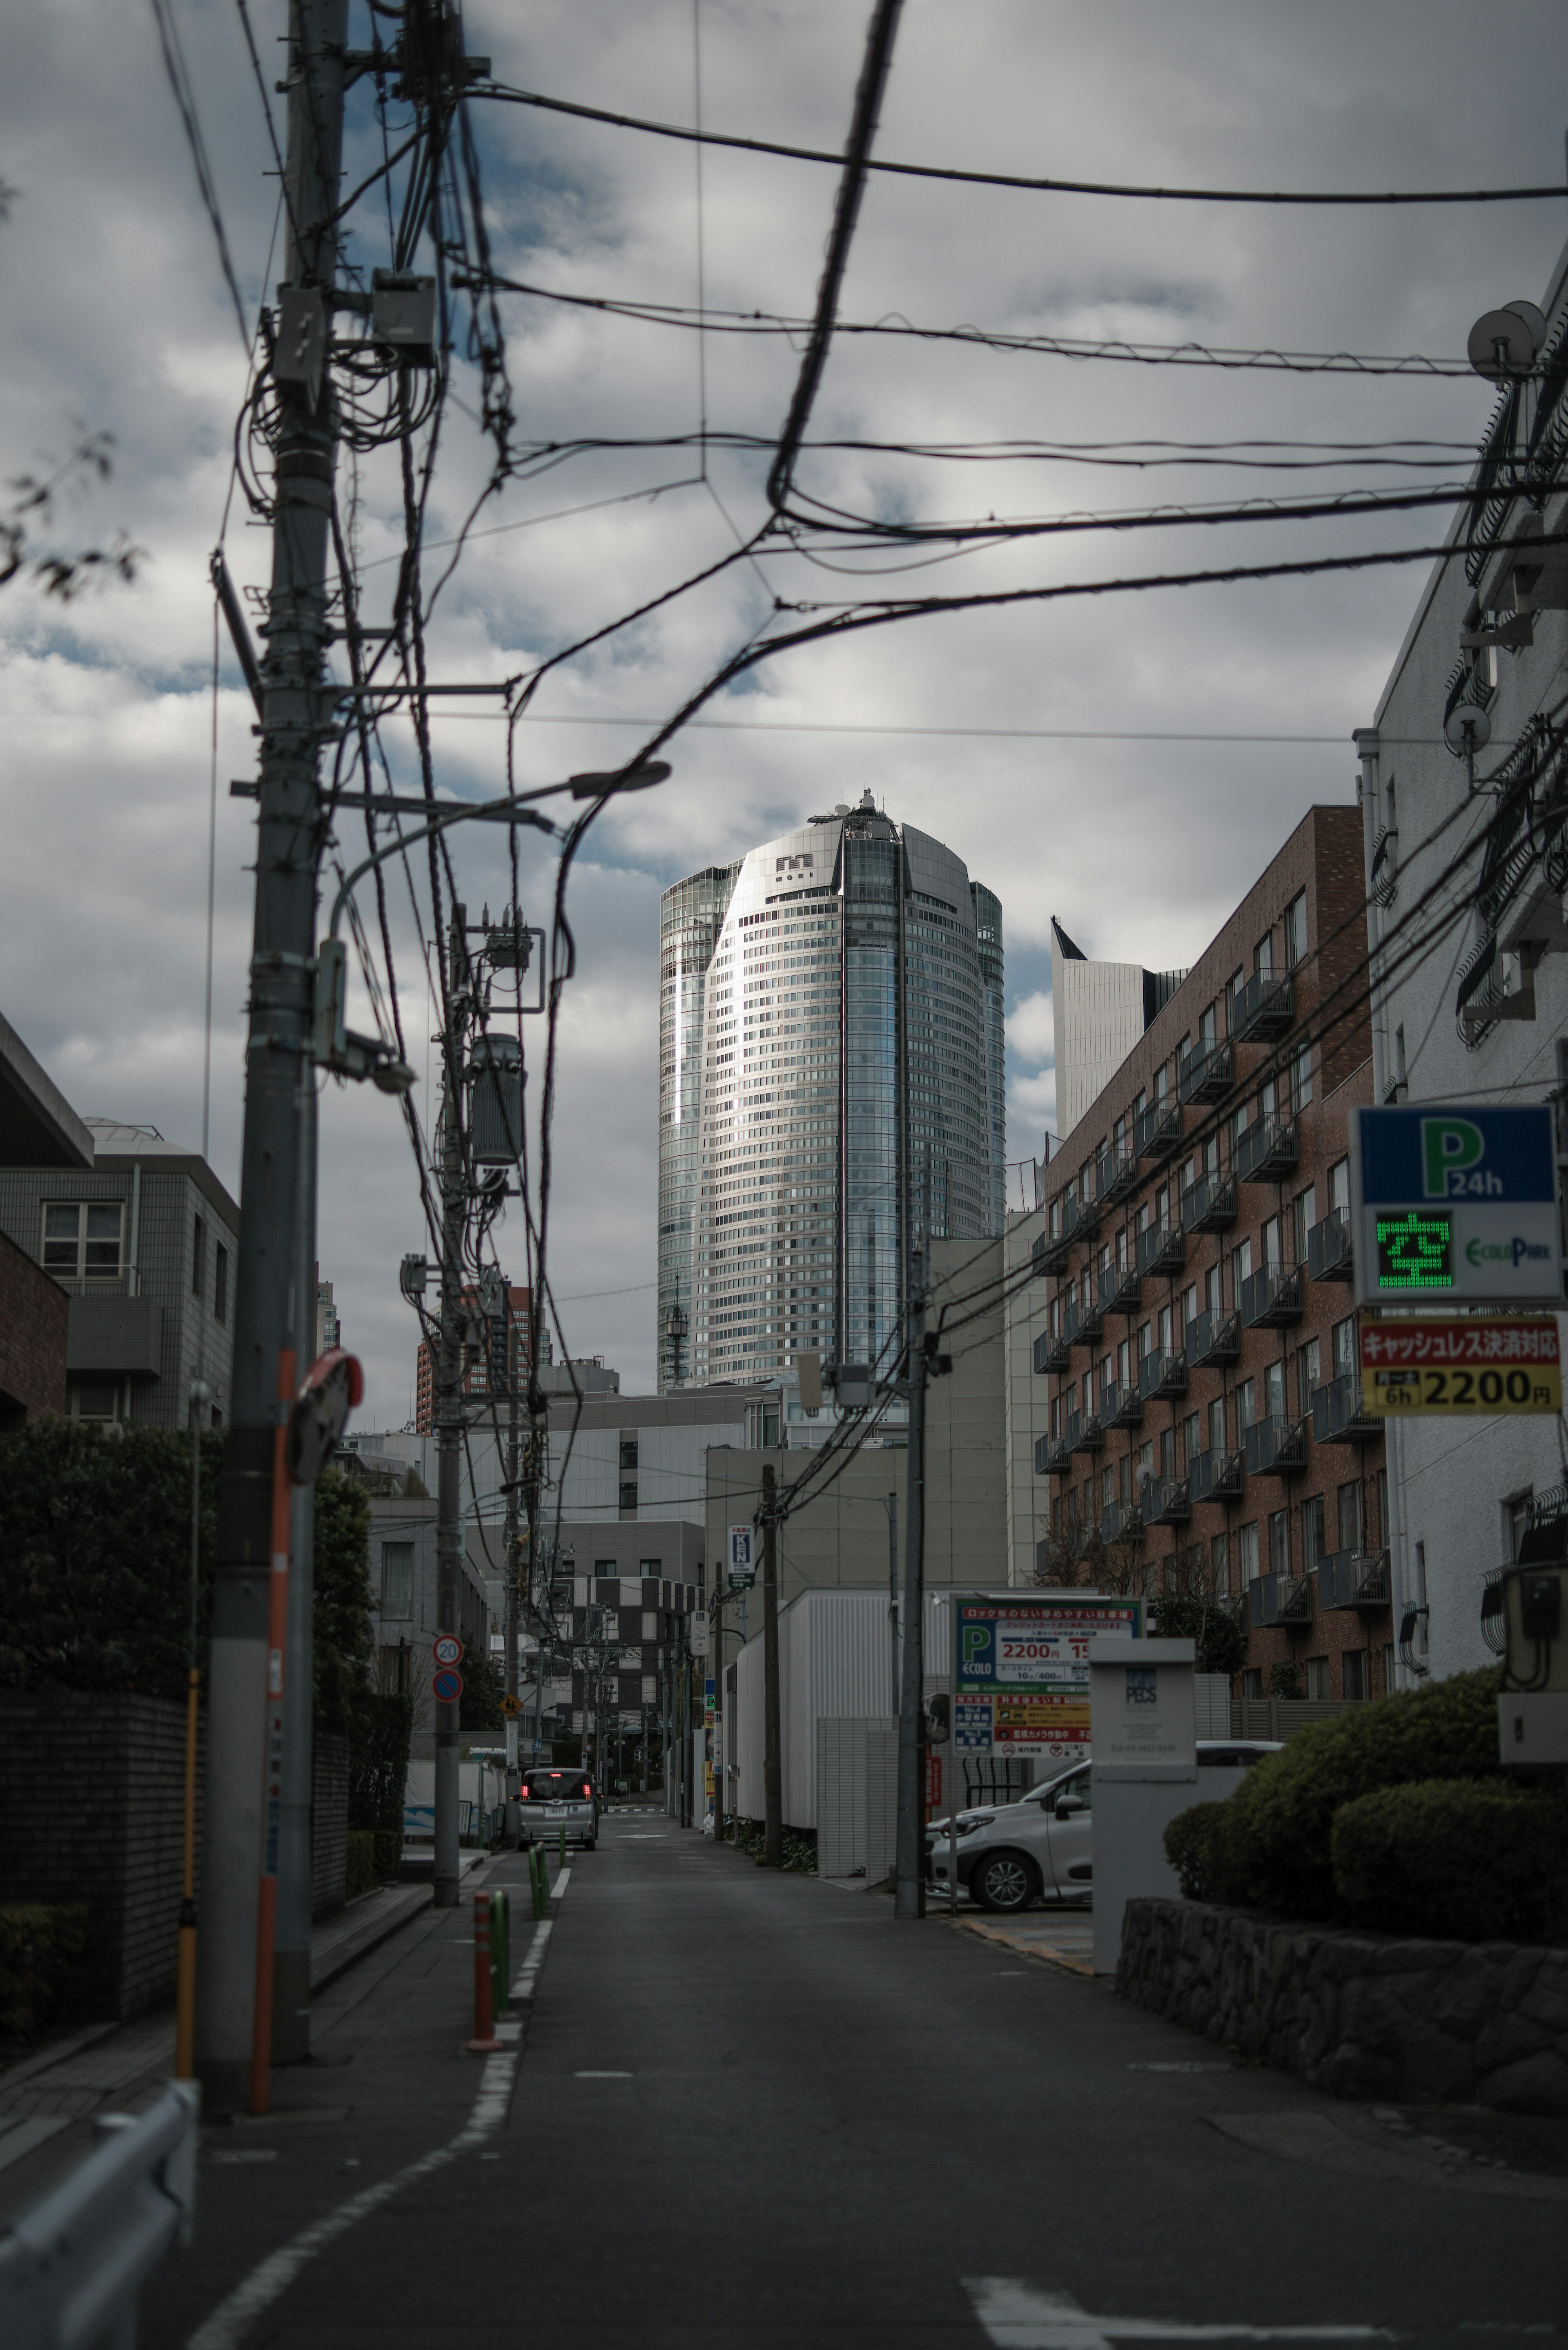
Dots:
{"x": 773, "y": 1758}
{"x": 296, "y": 712}
{"x": 291, "y": 1961}
{"x": 510, "y": 1550}
{"x": 448, "y": 1413}
{"x": 910, "y": 1890}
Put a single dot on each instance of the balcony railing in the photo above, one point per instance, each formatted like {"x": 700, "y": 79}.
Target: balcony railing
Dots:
{"x": 1217, "y": 1476}
{"x": 1052, "y": 1456}
{"x": 1329, "y": 1254}
{"x": 1210, "y": 1205}
{"x": 1080, "y": 1218}
{"x": 1265, "y": 1007}
{"x": 1353, "y": 1579}
{"x": 1276, "y": 1448}
{"x": 1166, "y": 1502}
{"x": 1279, "y": 1599}
{"x": 1272, "y": 1300}
{"x": 1085, "y": 1433}
{"x": 1121, "y": 1408}
{"x": 1052, "y": 1353}
{"x": 1206, "y": 1074}
{"x": 1213, "y": 1338}
{"x": 1157, "y": 1131}
{"x": 1115, "y": 1177}
{"x": 1120, "y": 1522}
{"x": 1082, "y": 1324}
{"x": 1493, "y": 1623}
{"x": 1267, "y": 1151}
{"x": 1337, "y": 1417}
{"x": 1162, "y": 1249}
{"x": 1050, "y": 1254}
{"x": 1160, "y": 1375}
{"x": 1121, "y": 1289}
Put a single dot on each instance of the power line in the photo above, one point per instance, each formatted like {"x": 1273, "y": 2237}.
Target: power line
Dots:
{"x": 186, "y": 99}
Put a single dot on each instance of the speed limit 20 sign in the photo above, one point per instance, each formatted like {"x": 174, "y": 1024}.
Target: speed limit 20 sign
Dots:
{"x": 447, "y": 1649}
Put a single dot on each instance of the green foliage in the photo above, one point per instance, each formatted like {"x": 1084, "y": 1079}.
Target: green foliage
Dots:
{"x": 484, "y": 1686}
{"x": 1286, "y": 1679}
{"x": 361, "y": 1862}
{"x": 1195, "y": 1847}
{"x": 1220, "y": 1641}
{"x": 39, "y": 1941}
{"x": 389, "y": 1855}
{"x": 1466, "y": 1860}
{"x": 749, "y": 1836}
{"x": 95, "y": 1556}
{"x": 342, "y": 1615}
{"x": 379, "y": 1730}
{"x": 1273, "y": 1851}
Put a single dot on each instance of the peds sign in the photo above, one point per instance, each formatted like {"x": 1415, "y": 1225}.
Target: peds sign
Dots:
{"x": 1455, "y": 1207}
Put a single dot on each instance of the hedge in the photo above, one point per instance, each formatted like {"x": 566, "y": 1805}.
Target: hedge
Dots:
{"x": 1271, "y": 1848}
{"x": 361, "y": 1862}
{"x": 39, "y": 1941}
{"x": 1466, "y": 1860}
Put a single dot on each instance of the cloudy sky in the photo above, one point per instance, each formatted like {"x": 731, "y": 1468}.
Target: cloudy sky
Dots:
{"x": 1012, "y": 735}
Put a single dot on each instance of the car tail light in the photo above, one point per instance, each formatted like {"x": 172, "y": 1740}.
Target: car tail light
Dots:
{"x": 588, "y": 1793}
{"x": 521, "y": 1794}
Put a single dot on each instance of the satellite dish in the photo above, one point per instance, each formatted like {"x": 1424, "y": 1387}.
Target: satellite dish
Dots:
{"x": 1466, "y": 729}
{"x": 1535, "y": 319}
{"x": 1501, "y": 344}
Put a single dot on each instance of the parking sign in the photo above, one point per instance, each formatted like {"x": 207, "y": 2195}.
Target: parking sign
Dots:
{"x": 1455, "y": 1205}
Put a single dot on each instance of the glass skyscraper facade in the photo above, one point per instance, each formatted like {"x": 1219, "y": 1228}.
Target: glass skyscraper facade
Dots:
{"x": 831, "y": 1068}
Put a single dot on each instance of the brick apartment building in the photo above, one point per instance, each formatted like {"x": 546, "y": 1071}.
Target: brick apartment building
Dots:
{"x": 490, "y": 1340}
{"x": 1193, "y": 1325}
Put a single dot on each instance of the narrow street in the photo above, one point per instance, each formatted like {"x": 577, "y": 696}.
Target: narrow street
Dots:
{"x": 753, "y": 2110}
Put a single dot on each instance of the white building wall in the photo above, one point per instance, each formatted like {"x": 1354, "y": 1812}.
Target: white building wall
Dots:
{"x": 1097, "y": 1011}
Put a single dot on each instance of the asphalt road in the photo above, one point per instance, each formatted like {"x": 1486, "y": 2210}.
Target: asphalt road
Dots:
{"x": 753, "y": 2110}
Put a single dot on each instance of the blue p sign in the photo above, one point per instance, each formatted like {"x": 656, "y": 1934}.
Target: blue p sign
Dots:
{"x": 1448, "y": 1147}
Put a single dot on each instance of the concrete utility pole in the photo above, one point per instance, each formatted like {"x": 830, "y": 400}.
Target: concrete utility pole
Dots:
{"x": 449, "y": 1403}
{"x": 291, "y": 1958}
{"x": 268, "y": 1314}
{"x": 773, "y": 1757}
{"x": 511, "y": 1547}
{"x": 909, "y": 1892}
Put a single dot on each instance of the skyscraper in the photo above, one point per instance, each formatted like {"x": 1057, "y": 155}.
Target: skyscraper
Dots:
{"x": 831, "y": 1060}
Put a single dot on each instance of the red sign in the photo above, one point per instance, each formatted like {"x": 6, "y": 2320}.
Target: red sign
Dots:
{"x": 1494, "y": 1364}
{"x": 447, "y": 1649}
{"x": 446, "y": 1686}
{"x": 1476, "y": 1346}
{"x": 933, "y": 1781}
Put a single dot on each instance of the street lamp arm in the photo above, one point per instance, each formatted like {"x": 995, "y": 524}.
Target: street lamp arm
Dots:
{"x": 491, "y": 811}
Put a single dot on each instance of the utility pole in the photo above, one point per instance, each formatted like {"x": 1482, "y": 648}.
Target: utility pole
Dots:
{"x": 772, "y": 1758}
{"x": 511, "y": 1545}
{"x": 291, "y": 1960}
{"x": 449, "y": 1404}
{"x": 909, "y": 1892}
{"x": 295, "y": 718}
{"x": 893, "y": 1599}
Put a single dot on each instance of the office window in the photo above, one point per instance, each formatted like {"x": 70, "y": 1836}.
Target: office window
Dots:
{"x": 628, "y": 1452}
{"x": 1247, "y": 1553}
{"x": 220, "y": 1284}
{"x": 82, "y": 1239}
{"x": 397, "y": 1578}
{"x": 1317, "y": 1677}
{"x": 1350, "y": 1530}
{"x": 1312, "y": 1531}
{"x": 1353, "y": 1666}
{"x": 1295, "y": 930}
{"x": 1279, "y": 1541}
{"x": 198, "y": 1256}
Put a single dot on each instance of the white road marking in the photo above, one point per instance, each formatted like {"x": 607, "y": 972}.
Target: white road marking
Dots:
{"x": 1020, "y": 2316}
{"x": 603, "y": 2077}
{"x": 523, "y": 1980}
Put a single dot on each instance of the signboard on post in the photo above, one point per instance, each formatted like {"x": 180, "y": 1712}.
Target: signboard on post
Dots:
{"x": 742, "y": 1566}
{"x": 1020, "y": 1669}
{"x": 1455, "y": 1205}
{"x": 1504, "y": 1363}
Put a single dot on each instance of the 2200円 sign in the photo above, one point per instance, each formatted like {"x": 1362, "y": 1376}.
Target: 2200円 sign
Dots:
{"x": 1504, "y": 1363}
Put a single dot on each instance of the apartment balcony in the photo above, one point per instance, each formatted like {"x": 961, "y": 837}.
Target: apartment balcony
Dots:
{"x": 1210, "y": 1205}
{"x": 1166, "y": 1502}
{"x": 1264, "y": 1009}
{"x": 1330, "y": 1256}
{"x": 1337, "y": 1417}
{"x": 1276, "y": 1448}
{"x": 1080, "y": 1218}
{"x": 1212, "y": 1338}
{"x": 1206, "y": 1074}
{"x": 1162, "y": 1249}
{"x": 1115, "y": 1177}
{"x": 1085, "y": 1433}
{"x": 1157, "y": 1131}
{"x": 1120, "y": 1522}
{"x": 1493, "y": 1623}
{"x": 1121, "y": 1408}
{"x": 1082, "y": 1325}
{"x": 1121, "y": 1289}
{"x": 1279, "y": 1599}
{"x": 1050, "y": 1254}
{"x": 1053, "y": 1354}
{"x": 1272, "y": 1300}
{"x": 1052, "y": 1457}
{"x": 1353, "y": 1579}
{"x": 1217, "y": 1476}
{"x": 1162, "y": 1377}
{"x": 1268, "y": 1151}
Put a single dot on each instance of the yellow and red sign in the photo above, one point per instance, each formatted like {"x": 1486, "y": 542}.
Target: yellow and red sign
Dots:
{"x": 1494, "y": 1363}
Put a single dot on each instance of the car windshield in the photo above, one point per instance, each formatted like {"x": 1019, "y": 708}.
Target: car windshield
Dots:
{"x": 558, "y": 1788}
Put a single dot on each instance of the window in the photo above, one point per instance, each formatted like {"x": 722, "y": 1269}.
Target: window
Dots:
{"x": 1345, "y": 1346}
{"x": 1167, "y": 1454}
{"x": 1350, "y": 1536}
{"x": 1273, "y": 1392}
{"x": 1167, "y": 1337}
{"x": 1252, "y": 1682}
{"x": 1217, "y": 1425}
{"x": 1212, "y": 1299}
{"x": 81, "y": 1240}
{"x": 629, "y": 1496}
{"x": 1317, "y": 1677}
{"x": 1264, "y": 953}
{"x": 95, "y": 1399}
{"x": 1188, "y": 1304}
{"x": 1301, "y": 1078}
{"x": 1145, "y": 1340}
{"x": 1124, "y": 1364}
{"x": 220, "y": 1284}
{"x": 1516, "y": 1518}
{"x": 1247, "y": 1553}
{"x": 1304, "y": 1216}
{"x": 1309, "y": 1375}
{"x": 1295, "y": 930}
{"x": 1388, "y": 1656}
{"x": 1353, "y": 1666}
{"x": 1313, "y": 1530}
{"x": 1234, "y": 987}
{"x": 1279, "y": 1541}
{"x": 1125, "y": 1479}
{"x": 1271, "y": 1238}
{"x": 1339, "y": 1187}
{"x": 1107, "y": 1488}
{"x": 1241, "y": 1269}
{"x": 397, "y": 1578}
{"x": 1219, "y": 1564}
{"x": 1145, "y": 1461}
{"x": 628, "y": 1452}
{"x": 1192, "y": 1437}
{"x": 198, "y": 1256}
{"x": 1205, "y": 1029}
{"x": 1246, "y": 1400}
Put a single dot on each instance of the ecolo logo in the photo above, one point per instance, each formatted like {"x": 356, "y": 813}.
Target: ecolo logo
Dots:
{"x": 1479, "y": 1252}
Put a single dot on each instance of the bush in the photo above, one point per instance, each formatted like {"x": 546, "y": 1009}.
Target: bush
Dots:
{"x": 361, "y": 1862}
{"x": 749, "y": 1836}
{"x": 1286, "y": 1680}
{"x": 1220, "y": 1641}
{"x": 39, "y": 1940}
{"x": 388, "y": 1846}
{"x": 1468, "y": 1860}
{"x": 1273, "y": 1850}
{"x": 1194, "y": 1845}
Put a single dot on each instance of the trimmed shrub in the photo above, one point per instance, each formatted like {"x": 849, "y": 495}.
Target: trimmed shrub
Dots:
{"x": 1221, "y": 1642}
{"x": 1195, "y": 1847}
{"x": 1466, "y": 1860}
{"x": 361, "y": 1862}
{"x": 39, "y": 1940}
{"x": 1273, "y": 1851}
{"x": 387, "y": 1847}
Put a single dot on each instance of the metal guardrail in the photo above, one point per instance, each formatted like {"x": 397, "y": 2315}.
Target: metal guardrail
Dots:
{"x": 71, "y": 2268}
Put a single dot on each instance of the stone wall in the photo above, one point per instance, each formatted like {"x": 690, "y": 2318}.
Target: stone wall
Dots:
{"x": 1358, "y": 2013}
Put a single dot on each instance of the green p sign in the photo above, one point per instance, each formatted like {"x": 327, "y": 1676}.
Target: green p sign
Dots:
{"x": 1448, "y": 1147}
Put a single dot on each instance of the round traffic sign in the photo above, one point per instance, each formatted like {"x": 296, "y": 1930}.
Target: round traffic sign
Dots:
{"x": 448, "y": 1650}
{"x": 446, "y": 1685}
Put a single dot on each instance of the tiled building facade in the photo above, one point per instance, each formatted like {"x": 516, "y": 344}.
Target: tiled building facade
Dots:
{"x": 1188, "y": 1415}
{"x": 490, "y": 1340}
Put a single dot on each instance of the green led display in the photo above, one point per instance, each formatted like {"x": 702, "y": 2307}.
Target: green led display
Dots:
{"x": 1415, "y": 1252}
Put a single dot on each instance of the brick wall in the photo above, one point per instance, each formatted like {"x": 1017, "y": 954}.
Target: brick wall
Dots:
{"x": 34, "y": 1310}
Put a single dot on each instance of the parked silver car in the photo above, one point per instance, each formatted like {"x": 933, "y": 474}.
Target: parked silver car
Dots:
{"x": 554, "y": 1800}
{"x": 1042, "y": 1846}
